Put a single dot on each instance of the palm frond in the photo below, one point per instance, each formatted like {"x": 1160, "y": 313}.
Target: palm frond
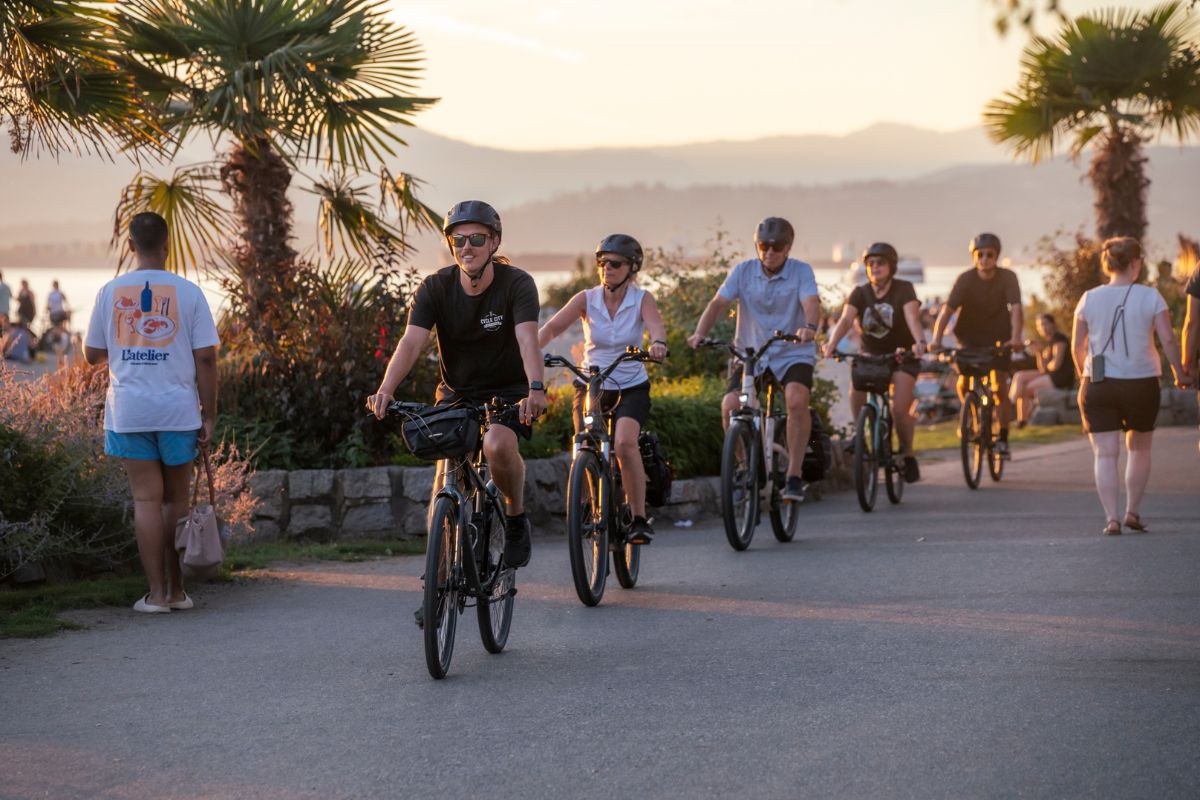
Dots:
{"x": 347, "y": 221}
{"x": 197, "y": 224}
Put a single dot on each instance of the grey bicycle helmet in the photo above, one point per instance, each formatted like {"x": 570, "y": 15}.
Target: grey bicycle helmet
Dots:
{"x": 622, "y": 245}
{"x": 989, "y": 240}
{"x": 776, "y": 230}
{"x": 472, "y": 211}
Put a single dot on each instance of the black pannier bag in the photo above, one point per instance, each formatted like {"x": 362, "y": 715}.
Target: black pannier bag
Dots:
{"x": 659, "y": 473}
{"x": 442, "y": 432}
{"x": 818, "y": 458}
{"x": 975, "y": 363}
{"x": 871, "y": 376}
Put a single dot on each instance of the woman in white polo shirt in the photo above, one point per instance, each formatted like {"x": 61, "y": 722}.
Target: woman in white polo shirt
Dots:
{"x": 1113, "y": 347}
{"x": 617, "y": 314}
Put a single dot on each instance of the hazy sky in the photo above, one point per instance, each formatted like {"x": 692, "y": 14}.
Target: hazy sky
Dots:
{"x": 526, "y": 74}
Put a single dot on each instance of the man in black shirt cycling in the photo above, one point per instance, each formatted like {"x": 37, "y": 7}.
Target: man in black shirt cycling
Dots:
{"x": 987, "y": 300}
{"x": 485, "y": 313}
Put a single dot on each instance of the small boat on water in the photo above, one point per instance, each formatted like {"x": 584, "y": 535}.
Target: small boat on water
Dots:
{"x": 908, "y": 269}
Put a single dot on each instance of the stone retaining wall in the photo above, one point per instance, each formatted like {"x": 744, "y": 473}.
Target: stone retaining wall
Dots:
{"x": 392, "y": 502}
{"x": 1061, "y": 407}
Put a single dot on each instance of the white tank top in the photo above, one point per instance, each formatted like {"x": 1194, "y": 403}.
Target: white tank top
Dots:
{"x": 605, "y": 338}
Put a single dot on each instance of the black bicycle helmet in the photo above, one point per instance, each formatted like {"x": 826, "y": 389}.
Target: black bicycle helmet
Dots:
{"x": 623, "y": 245}
{"x": 882, "y": 249}
{"x": 472, "y": 211}
{"x": 776, "y": 230}
{"x": 989, "y": 240}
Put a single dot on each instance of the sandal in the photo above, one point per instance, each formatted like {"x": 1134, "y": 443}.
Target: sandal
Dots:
{"x": 1134, "y": 522}
{"x": 1113, "y": 528}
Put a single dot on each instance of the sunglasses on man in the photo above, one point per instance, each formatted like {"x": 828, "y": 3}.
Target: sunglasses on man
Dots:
{"x": 461, "y": 239}
{"x": 610, "y": 263}
{"x": 778, "y": 247}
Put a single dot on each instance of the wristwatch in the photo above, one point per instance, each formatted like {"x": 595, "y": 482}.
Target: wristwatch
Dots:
{"x": 537, "y": 386}
{"x": 811, "y": 326}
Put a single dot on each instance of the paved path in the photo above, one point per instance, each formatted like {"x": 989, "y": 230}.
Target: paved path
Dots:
{"x": 963, "y": 644}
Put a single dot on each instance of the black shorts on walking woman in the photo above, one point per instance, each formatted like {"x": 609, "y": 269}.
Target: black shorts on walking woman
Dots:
{"x": 1119, "y": 404}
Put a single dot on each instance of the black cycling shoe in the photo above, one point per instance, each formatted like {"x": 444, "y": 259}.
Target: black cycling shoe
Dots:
{"x": 1002, "y": 449}
{"x": 419, "y": 617}
{"x": 517, "y": 546}
{"x": 640, "y": 532}
{"x": 912, "y": 473}
{"x": 794, "y": 490}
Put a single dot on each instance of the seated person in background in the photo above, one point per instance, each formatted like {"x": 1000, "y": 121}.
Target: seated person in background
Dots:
{"x": 1054, "y": 370}
{"x": 19, "y": 343}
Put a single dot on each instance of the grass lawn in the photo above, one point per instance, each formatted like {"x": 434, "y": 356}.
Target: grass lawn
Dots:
{"x": 33, "y": 612}
{"x": 944, "y": 435}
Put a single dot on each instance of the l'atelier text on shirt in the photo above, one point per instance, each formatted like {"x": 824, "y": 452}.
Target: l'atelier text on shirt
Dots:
{"x": 149, "y": 354}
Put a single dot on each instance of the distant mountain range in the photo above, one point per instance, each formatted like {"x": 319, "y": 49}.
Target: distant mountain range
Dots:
{"x": 927, "y": 191}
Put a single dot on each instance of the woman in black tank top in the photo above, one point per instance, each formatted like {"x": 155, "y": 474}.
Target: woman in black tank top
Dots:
{"x": 1055, "y": 370}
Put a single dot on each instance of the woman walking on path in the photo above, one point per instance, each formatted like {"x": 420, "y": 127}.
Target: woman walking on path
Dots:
{"x": 1113, "y": 348}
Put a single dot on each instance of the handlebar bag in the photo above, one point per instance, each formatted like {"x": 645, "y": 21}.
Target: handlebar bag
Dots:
{"x": 871, "y": 376}
{"x": 442, "y": 432}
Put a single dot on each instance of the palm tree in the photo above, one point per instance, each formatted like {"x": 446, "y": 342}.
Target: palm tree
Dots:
{"x": 1117, "y": 77}
{"x": 282, "y": 83}
{"x": 60, "y": 85}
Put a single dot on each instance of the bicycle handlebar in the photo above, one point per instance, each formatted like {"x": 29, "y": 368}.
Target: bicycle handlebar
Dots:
{"x": 749, "y": 353}
{"x": 631, "y": 354}
{"x": 898, "y": 357}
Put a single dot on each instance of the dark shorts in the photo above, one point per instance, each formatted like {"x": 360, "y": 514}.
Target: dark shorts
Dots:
{"x": 796, "y": 373}
{"x": 1061, "y": 380}
{"x": 632, "y": 402}
{"x": 446, "y": 397}
{"x": 1119, "y": 404}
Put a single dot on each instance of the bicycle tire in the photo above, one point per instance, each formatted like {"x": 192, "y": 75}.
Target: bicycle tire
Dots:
{"x": 784, "y": 514}
{"x": 441, "y": 596}
{"x": 739, "y": 484}
{"x": 971, "y": 439}
{"x": 588, "y": 495}
{"x": 495, "y": 612}
{"x": 626, "y": 558}
{"x": 893, "y": 475}
{"x": 866, "y": 459}
{"x": 995, "y": 462}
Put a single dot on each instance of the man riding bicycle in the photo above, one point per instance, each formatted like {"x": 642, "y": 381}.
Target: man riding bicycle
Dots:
{"x": 773, "y": 293}
{"x": 889, "y": 316}
{"x": 987, "y": 300}
{"x": 485, "y": 314}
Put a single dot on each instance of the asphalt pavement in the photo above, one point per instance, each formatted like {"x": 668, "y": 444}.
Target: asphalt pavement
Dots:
{"x": 984, "y": 643}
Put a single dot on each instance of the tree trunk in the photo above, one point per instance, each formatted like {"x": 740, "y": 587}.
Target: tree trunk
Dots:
{"x": 257, "y": 179}
{"x": 1118, "y": 176}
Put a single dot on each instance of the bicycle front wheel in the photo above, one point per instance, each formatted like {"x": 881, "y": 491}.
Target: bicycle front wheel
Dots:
{"x": 892, "y": 471}
{"x": 866, "y": 462}
{"x": 784, "y": 514}
{"x": 495, "y": 611}
{"x": 441, "y": 602}
{"x": 739, "y": 484}
{"x": 971, "y": 436}
{"x": 588, "y": 497}
{"x": 995, "y": 462}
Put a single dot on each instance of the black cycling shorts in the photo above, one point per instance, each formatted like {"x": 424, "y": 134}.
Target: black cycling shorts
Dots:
{"x": 796, "y": 373}
{"x": 632, "y": 402}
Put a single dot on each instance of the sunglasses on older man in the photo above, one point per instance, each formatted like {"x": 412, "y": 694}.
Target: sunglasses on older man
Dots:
{"x": 778, "y": 247}
{"x": 461, "y": 239}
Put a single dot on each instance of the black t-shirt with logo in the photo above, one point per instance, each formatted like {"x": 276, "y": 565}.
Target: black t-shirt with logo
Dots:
{"x": 476, "y": 336}
{"x": 983, "y": 316}
{"x": 882, "y": 318}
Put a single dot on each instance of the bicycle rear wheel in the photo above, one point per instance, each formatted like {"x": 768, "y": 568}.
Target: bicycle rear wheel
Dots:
{"x": 866, "y": 461}
{"x": 441, "y": 602}
{"x": 784, "y": 514}
{"x": 739, "y": 484}
{"x": 589, "y": 493}
{"x": 893, "y": 475}
{"x": 626, "y": 557}
{"x": 995, "y": 462}
{"x": 495, "y": 612}
{"x": 971, "y": 442}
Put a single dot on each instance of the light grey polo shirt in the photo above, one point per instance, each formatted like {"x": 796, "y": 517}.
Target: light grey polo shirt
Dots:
{"x": 767, "y": 303}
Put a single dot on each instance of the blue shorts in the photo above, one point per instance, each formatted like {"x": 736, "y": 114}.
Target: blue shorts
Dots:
{"x": 170, "y": 447}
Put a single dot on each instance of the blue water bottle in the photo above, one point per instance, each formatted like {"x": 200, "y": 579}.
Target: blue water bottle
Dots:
{"x": 147, "y": 299}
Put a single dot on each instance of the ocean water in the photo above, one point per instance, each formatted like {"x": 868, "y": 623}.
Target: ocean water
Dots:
{"x": 80, "y": 285}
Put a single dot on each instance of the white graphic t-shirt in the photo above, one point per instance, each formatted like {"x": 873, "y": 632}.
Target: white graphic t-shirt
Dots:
{"x": 150, "y": 321}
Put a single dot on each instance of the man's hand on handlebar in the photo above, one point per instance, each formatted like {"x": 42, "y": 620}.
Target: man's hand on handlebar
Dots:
{"x": 694, "y": 340}
{"x": 533, "y": 407}
{"x": 377, "y": 404}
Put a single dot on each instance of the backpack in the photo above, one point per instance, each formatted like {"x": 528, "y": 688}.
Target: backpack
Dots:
{"x": 659, "y": 473}
{"x": 818, "y": 458}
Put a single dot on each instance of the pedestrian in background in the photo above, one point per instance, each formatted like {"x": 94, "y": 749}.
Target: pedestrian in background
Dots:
{"x": 57, "y": 307}
{"x": 5, "y": 300}
{"x": 156, "y": 332}
{"x": 1191, "y": 332}
{"x": 26, "y": 308}
{"x": 1114, "y": 352}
